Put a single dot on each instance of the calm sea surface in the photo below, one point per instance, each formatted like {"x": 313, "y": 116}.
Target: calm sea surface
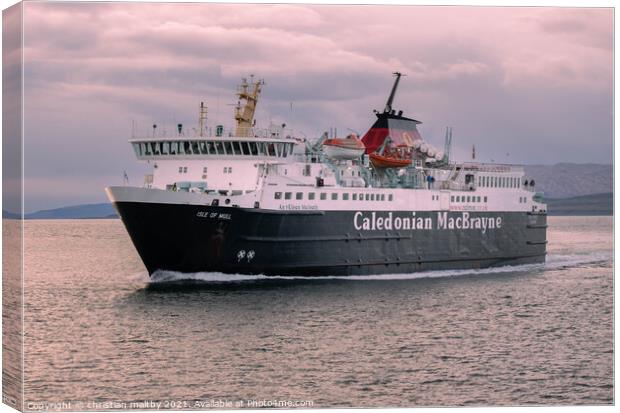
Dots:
{"x": 98, "y": 334}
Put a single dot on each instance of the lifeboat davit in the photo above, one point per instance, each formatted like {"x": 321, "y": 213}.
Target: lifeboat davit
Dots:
{"x": 348, "y": 148}
{"x": 388, "y": 161}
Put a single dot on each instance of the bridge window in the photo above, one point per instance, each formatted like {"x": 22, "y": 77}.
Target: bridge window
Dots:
{"x": 237, "y": 148}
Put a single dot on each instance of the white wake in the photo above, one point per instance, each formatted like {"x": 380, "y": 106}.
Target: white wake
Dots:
{"x": 553, "y": 262}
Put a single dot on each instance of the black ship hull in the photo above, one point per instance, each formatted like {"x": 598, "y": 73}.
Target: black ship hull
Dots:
{"x": 195, "y": 238}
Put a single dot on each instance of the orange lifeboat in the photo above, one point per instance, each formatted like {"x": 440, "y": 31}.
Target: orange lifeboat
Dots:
{"x": 349, "y": 148}
{"x": 398, "y": 157}
{"x": 388, "y": 161}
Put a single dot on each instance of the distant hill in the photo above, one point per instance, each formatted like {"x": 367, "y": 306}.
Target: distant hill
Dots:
{"x": 10, "y": 215}
{"x": 565, "y": 180}
{"x": 76, "y": 212}
{"x": 596, "y": 204}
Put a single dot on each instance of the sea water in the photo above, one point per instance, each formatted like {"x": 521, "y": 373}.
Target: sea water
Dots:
{"x": 99, "y": 334}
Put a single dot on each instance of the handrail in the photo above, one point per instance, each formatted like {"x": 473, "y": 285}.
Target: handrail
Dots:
{"x": 219, "y": 132}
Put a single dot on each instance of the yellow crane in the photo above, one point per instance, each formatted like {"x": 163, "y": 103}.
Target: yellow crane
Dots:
{"x": 244, "y": 115}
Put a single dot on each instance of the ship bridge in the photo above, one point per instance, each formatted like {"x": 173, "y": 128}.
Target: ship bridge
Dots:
{"x": 224, "y": 162}
{"x": 268, "y": 144}
{"x": 268, "y": 149}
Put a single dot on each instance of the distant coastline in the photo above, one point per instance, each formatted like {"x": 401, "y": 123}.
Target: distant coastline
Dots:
{"x": 84, "y": 211}
{"x": 594, "y": 204}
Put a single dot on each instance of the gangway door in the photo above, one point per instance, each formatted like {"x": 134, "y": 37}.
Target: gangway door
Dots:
{"x": 444, "y": 200}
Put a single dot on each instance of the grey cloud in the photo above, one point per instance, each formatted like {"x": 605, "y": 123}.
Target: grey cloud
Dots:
{"x": 507, "y": 80}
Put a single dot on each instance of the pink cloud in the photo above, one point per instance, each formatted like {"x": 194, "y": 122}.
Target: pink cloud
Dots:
{"x": 482, "y": 70}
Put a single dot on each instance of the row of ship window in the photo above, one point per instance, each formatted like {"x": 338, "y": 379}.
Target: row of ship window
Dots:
{"x": 499, "y": 182}
{"x": 334, "y": 196}
{"x": 279, "y": 149}
{"x": 463, "y": 198}
{"x": 183, "y": 170}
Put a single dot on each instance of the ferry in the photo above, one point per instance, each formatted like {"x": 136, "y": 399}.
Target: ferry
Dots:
{"x": 251, "y": 200}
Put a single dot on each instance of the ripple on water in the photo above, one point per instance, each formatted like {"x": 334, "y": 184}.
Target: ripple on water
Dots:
{"x": 97, "y": 327}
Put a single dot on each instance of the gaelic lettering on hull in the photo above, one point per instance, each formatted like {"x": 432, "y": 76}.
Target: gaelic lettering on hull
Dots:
{"x": 381, "y": 221}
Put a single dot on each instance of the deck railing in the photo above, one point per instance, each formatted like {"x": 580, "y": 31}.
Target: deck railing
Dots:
{"x": 219, "y": 131}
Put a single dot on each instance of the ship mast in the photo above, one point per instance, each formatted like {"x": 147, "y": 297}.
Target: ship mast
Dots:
{"x": 447, "y": 145}
{"x": 388, "y": 105}
{"x": 244, "y": 116}
{"x": 202, "y": 117}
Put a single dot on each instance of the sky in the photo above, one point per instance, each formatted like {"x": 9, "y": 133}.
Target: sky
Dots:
{"x": 524, "y": 85}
